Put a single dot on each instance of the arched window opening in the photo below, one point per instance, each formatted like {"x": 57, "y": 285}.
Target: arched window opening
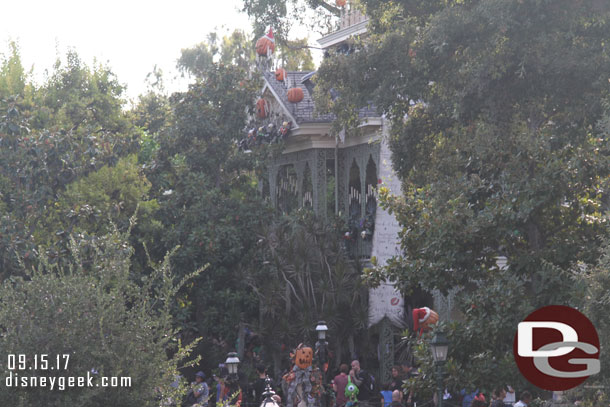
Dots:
{"x": 307, "y": 188}
{"x": 355, "y": 201}
{"x": 287, "y": 189}
{"x": 370, "y": 200}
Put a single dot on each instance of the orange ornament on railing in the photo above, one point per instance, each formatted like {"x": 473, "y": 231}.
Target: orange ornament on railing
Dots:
{"x": 280, "y": 74}
{"x": 295, "y": 95}
{"x": 262, "y": 108}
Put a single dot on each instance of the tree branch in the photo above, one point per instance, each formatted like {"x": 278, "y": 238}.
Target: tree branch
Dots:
{"x": 296, "y": 48}
{"x": 320, "y": 3}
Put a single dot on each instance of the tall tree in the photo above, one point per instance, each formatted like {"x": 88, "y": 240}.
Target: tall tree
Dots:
{"x": 51, "y": 136}
{"x": 497, "y": 137}
{"x": 303, "y": 274}
{"x": 283, "y": 15}
{"x": 499, "y": 133}
{"x": 209, "y": 200}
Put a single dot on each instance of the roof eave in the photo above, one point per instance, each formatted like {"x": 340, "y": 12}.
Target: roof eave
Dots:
{"x": 267, "y": 85}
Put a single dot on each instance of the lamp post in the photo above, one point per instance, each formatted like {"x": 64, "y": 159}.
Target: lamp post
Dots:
{"x": 269, "y": 393}
{"x": 232, "y": 363}
{"x": 322, "y": 357}
{"x": 439, "y": 346}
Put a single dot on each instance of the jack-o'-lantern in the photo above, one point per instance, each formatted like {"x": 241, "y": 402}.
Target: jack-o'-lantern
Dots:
{"x": 262, "y": 108}
{"x": 295, "y": 95}
{"x": 423, "y": 318}
{"x": 266, "y": 44}
{"x": 303, "y": 357}
{"x": 280, "y": 74}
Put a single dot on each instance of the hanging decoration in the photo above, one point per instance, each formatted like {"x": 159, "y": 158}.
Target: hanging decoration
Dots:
{"x": 262, "y": 108}
{"x": 285, "y": 129}
{"x": 423, "y": 319}
{"x": 295, "y": 95}
{"x": 280, "y": 74}
{"x": 266, "y": 44}
{"x": 268, "y": 134}
{"x": 341, "y": 3}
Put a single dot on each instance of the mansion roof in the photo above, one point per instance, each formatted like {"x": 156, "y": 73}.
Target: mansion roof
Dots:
{"x": 304, "y": 111}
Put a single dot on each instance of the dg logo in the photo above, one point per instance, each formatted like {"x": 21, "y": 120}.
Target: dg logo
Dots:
{"x": 556, "y": 348}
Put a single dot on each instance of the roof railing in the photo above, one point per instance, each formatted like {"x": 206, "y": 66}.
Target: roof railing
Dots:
{"x": 350, "y": 16}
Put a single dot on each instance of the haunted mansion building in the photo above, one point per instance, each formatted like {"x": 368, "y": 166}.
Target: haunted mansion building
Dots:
{"x": 337, "y": 175}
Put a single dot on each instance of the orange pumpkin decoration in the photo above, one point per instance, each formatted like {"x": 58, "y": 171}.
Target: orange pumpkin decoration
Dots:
{"x": 280, "y": 74}
{"x": 295, "y": 95}
{"x": 303, "y": 357}
{"x": 341, "y": 3}
{"x": 423, "y": 318}
{"x": 262, "y": 108}
{"x": 265, "y": 44}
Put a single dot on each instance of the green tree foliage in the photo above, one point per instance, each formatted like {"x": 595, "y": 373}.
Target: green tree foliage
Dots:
{"x": 499, "y": 133}
{"x": 152, "y": 108}
{"x": 13, "y": 78}
{"x": 209, "y": 201}
{"x": 235, "y": 50}
{"x": 238, "y": 49}
{"x": 96, "y": 204}
{"x": 302, "y": 275}
{"x": 97, "y": 314}
{"x": 296, "y": 56}
{"x": 596, "y": 300}
{"x": 283, "y": 15}
{"x": 80, "y": 99}
{"x": 51, "y": 136}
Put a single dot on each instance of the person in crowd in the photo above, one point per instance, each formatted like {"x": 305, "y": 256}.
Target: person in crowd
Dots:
{"x": 339, "y": 383}
{"x": 221, "y": 385}
{"x": 395, "y": 380}
{"x": 258, "y": 387}
{"x": 407, "y": 370}
{"x": 497, "y": 397}
{"x": 524, "y": 400}
{"x": 386, "y": 396}
{"x": 365, "y": 383}
{"x": 397, "y": 399}
{"x": 467, "y": 398}
{"x": 509, "y": 400}
{"x": 199, "y": 392}
{"x": 479, "y": 401}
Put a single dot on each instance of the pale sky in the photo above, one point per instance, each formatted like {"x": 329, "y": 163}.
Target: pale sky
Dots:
{"x": 130, "y": 36}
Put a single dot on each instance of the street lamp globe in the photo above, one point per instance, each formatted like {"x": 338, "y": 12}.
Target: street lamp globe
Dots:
{"x": 232, "y": 362}
{"x": 321, "y": 329}
{"x": 268, "y": 401}
{"x": 440, "y": 346}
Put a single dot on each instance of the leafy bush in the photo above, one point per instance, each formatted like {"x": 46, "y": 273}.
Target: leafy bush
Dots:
{"x": 95, "y": 312}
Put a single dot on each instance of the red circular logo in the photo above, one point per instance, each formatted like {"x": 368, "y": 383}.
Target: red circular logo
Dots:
{"x": 556, "y": 348}
{"x": 394, "y": 301}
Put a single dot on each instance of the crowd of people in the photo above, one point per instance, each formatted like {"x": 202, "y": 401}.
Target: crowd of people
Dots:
{"x": 353, "y": 386}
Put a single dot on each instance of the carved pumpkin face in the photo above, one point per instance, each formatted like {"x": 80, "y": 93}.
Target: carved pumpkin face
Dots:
{"x": 304, "y": 357}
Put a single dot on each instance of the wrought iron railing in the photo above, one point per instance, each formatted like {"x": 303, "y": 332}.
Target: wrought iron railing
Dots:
{"x": 350, "y": 16}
